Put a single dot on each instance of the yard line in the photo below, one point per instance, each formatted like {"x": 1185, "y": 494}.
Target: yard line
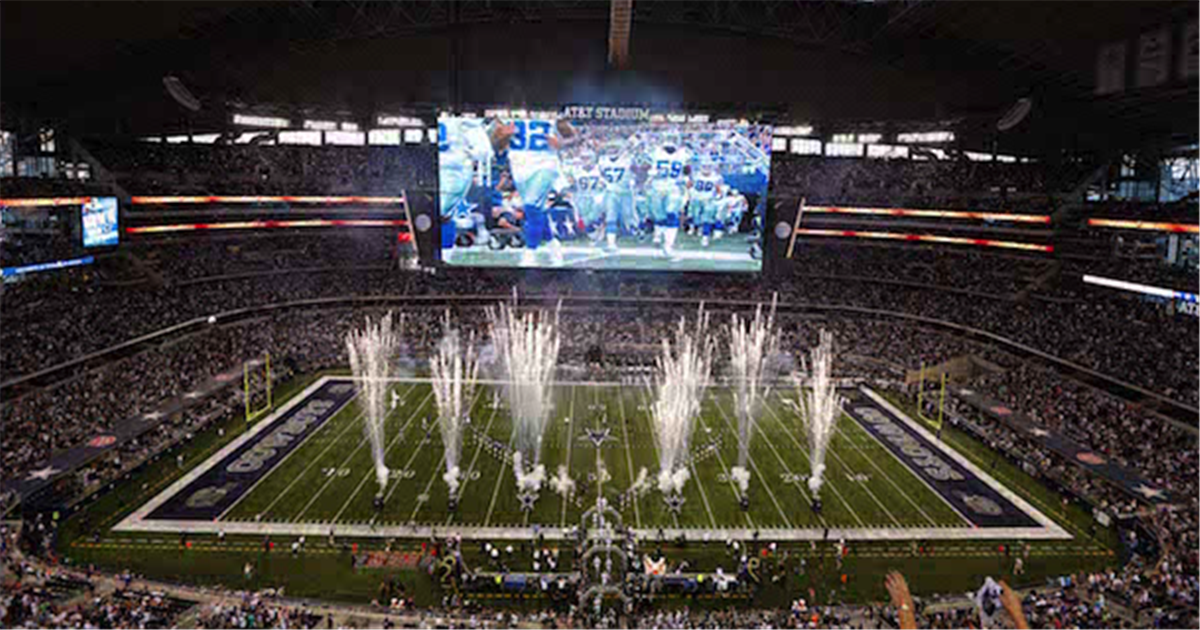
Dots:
{"x": 396, "y": 482}
{"x": 761, "y": 480}
{"x": 882, "y": 473}
{"x": 703, "y": 498}
{"x": 293, "y": 452}
{"x": 408, "y": 464}
{"x": 804, "y": 452}
{"x": 867, "y": 488}
{"x": 412, "y": 518}
{"x": 637, "y": 514}
{"x": 570, "y": 440}
{"x": 354, "y": 452}
{"x": 799, "y": 485}
{"x": 732, "y": 482}
{"x": 500, "y": 477}
{"x": 478, "y": 449}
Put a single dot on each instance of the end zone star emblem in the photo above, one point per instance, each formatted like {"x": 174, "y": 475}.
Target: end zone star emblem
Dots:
{"x": 43, "y": 474}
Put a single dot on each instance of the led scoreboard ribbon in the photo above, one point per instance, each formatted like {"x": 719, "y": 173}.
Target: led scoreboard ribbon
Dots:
{"x": 926, "y": 238}
{"x": 1122, "y": 224}
{"x": 259, "y": 225}
{"x": 261, "y": 199}
{"x": 933, "y": 214}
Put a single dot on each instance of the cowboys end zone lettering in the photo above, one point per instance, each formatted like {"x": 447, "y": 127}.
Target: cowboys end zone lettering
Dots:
{"x": 981, "y": 504}
{"x": 220, "y": 487}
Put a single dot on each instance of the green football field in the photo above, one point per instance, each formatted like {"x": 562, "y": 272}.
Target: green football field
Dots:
{"x": 329, "y": 479}
{"x": 730, "y": 253}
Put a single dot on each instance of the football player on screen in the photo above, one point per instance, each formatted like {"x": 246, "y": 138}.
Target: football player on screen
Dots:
{"x": 465, "y": 146}
{"x": 670, "y": 167}
{"x": 533, "y": 146}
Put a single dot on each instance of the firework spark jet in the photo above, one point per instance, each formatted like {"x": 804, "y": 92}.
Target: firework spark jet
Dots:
{"x": 683, "y": 369}
{"x": 372, "y": 351}
{"x": 753, "y": 357}
{"x": 526, "y": 349}
{"x": 454, "y": 368}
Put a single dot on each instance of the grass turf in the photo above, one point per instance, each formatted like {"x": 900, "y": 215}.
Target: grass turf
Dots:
{"x": 324, "y": 571}
{"x": 330, "y": 478}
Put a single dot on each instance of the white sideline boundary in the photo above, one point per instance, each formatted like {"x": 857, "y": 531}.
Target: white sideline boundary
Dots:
{"x": 1034, "y": 513}
{"x": 130, "y": 523}
{"x": 137, "y": 521}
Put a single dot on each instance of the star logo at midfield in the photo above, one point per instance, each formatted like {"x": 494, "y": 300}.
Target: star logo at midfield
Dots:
{"x": 43, "y": 474}
{"x": 1148, "y": 492}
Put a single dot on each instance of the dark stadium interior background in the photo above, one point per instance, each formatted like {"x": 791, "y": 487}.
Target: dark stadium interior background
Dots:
{"x": 990, "y": 206}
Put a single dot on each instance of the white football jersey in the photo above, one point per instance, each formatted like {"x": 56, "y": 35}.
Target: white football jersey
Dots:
{"x": 529, "y": 149}
{"x": 668, "y": 162}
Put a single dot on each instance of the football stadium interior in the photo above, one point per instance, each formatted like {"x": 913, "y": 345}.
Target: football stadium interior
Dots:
{"x": 599, "y": 314}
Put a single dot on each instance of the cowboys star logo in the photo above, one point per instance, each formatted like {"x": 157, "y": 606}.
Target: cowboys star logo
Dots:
{"x": 980, "y": 505}
{"x": 210, "y": 496}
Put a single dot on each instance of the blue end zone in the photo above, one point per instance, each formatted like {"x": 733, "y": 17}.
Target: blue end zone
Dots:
{"x": 972, "y": 497}
{"x": 209, "y": 495}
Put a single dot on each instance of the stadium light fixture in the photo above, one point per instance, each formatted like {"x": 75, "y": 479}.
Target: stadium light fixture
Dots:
{"x": 929, "y": 137}
{"x": 1144, "y": 289}
{"x": 261, "y": 121}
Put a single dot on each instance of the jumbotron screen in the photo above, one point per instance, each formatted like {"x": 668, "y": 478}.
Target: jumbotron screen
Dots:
{"x": 602, "y": 188}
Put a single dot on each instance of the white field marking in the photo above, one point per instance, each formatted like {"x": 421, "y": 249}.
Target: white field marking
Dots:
{"x": 1001, "y": 489}
{"x": 889, "y": 479}
{"x": 462, "y": 489}
{"x": 570, "y": 441}
{"x": 645, "y": 395}
{"x": 587, "y": 259}
{"x": 411, "y": 458}
{"x": 733, "y": 489}
{"x": 299, "y": 446}
{"x": 866, "y": 487}
{"x": 436, "y": 469}
{"x": 135, "y": 519}
{"x": 804, "y": 452}
{"x": 799, "y": 485}
{"x": 361, "y": 444}
{"x": 963, "y": 517}
{"x": 500, "y": 477}
{"x": 406, "y": 531}
{"x": 399, "y": 439}
{"x": 637, "y": 513}
{"x": 350, "y": 425}
{"x": 750, "y": 458}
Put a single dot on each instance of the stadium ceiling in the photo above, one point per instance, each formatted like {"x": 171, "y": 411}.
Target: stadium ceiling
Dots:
{"x": 87, "y": 61}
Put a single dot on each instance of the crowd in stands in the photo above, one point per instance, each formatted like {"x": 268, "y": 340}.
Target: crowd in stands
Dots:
{"x": 932, "y": 183}
{"x": 145, "y": 168}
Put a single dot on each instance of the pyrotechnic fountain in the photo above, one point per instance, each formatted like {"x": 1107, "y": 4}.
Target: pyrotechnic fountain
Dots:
{"x": 372, "y": 349}
{"x": 821, "y": 407}
{"x": 683, "y": 371}
{"x": 454, "y": 368}
{"x": 753, "y": 346}
{"x": 526, "y": 353}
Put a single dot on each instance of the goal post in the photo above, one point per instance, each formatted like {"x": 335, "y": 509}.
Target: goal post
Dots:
{"x": 251, "y": 367}
{"x": 941, "y": 412}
